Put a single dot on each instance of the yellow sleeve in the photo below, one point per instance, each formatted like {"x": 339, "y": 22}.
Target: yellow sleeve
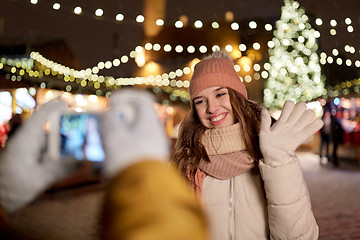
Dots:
{"x": 150, "y": 200}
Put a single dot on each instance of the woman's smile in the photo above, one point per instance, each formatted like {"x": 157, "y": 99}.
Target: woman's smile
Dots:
{"x": 218, "y": 119}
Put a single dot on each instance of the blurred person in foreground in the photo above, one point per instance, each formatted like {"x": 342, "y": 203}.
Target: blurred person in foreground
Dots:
{"x": 145, "y": 198}
{"x": 244, "y": 169}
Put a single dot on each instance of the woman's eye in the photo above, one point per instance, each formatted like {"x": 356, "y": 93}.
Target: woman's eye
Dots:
{"x": 220, "y": 95}
{"x": 199, "y": 102}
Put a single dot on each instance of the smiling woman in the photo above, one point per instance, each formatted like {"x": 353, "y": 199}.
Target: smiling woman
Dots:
{"x": 245, "y": 171}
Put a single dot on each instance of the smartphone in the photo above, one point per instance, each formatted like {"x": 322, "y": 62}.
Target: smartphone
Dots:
{"x": 76, "y": 135}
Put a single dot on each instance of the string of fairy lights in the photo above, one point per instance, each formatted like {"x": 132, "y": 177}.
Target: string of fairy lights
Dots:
{"x": 24, "y": 66}
{"x": 171, "y": 82}
{"x": 18, "y": 68}
{"x": 84, "y": 77}
{"x": 99, "y": 13}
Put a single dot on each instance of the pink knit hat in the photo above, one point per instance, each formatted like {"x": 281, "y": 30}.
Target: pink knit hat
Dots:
{"x": 212, "y": 72}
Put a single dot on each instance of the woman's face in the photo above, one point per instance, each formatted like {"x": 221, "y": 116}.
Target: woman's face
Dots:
{"x": 214, "y": 108}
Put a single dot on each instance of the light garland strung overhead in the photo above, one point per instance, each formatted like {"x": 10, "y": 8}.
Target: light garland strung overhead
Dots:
{"x": 166, "y": 79}
{"x": 100, "y": 14}
{"x": 19, "y": 71}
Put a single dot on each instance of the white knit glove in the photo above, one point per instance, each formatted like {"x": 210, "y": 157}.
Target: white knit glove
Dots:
{"x": 279, "y": 142}
{"x": 25, "y": 167}
{"x": 131, "y": 131}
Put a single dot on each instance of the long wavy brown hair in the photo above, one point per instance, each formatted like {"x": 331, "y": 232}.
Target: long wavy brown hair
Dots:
{"x": 189, "y": 148}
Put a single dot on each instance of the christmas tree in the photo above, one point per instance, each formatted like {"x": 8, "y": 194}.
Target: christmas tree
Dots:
{"x": 295, "y": 72}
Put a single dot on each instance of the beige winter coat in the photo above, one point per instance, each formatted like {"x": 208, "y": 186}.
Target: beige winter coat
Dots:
{"x": 241, "y": 208}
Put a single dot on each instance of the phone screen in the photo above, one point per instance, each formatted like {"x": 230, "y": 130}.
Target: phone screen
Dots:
{"x": 80, "y": 138}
